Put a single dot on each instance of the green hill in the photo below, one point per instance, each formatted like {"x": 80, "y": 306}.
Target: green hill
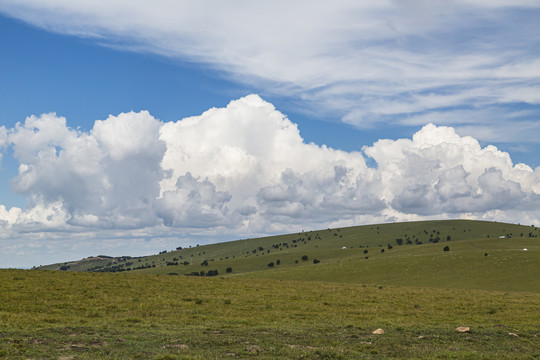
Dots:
{"x": 417, "y": 292}
{"x": 409, "y": 253}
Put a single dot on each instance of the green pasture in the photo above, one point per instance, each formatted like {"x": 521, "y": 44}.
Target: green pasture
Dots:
{"x": 70, "y": 315}
{"x": 307, "y": 295}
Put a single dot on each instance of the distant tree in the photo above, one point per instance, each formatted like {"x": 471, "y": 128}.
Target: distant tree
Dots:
{"x": 64, "y": 267}
{"x": 228, "y": 270}
{"x": 399, "y": 241}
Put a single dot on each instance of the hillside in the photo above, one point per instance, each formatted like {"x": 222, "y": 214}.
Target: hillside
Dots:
{"x": 417, "y": 292}
{"x": 361, "y": 254}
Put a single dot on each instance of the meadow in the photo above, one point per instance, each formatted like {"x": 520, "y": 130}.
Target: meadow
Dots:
{"x": 64, "y": 315}
{"x": 298, "y": 308}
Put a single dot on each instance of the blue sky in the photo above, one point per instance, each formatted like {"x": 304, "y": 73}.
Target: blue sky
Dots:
{"x": 302, "y": 96}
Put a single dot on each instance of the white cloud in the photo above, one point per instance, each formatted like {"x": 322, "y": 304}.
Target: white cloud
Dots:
{"x": 440, "y": 172}
{"x": 366, "y": 62}
{"x": 244, "y": 170}
{"x": 108, "y": 177}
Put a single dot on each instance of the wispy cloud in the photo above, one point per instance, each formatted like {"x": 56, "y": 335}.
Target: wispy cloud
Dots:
{"x": 365, "y": 62}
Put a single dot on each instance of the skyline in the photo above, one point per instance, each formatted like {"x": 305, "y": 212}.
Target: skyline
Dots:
{"x": 150, "y": 130}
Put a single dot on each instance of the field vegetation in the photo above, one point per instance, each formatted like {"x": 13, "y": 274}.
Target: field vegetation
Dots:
{"x": 324, "y": 295}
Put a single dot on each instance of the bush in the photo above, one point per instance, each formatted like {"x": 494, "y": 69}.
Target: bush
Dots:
{"x": 212, "y": 273}
{"x": 446, "y": 248}
{"x": 304, "y": 258}
{"x": 316, "y": 261}
{"x": 228, "y": 270}
{"x": 271, "y": 265}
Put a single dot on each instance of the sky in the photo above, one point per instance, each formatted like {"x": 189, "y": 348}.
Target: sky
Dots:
{"x": 132, "y": 127}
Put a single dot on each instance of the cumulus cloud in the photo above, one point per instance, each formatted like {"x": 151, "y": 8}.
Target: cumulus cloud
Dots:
{"x": 367, "y": 62}
{"x": 440, "y": 172}
{"x": 107, "y": 177}
{"x": 245, "y": 169}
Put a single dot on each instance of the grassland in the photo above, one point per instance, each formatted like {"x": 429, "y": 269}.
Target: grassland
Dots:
{"x": 296, "y": 309}
{"x": 65, "y": 315}
{"x": 254, "y": 255}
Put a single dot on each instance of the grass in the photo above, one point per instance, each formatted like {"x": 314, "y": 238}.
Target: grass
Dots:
{"x": 418, "y": 294}
{"x": 254, "y": 254}
{"x": 66, "y": 315}
{"x": 466, "y": 266}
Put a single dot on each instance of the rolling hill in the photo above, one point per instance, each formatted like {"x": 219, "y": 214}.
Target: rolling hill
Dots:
{"x": 482, "y": 255}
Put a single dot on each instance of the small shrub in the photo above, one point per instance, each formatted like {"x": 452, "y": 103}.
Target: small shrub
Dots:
{"x": 304, "y": 257}
{"x": 316, "y": 261}
{"x": 446, "y": 248}
{"x": 228, "y": 270}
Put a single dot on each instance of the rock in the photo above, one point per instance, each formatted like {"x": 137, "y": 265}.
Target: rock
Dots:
{"x": 379, "y": 331}
{"x": 512, "y": 334}
{"x": 254, "y": 349}
{"x": 463, "y": 329}
{"x": 421, "y": 337}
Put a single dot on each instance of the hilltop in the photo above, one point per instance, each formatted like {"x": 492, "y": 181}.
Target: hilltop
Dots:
{"x": 482, "y": 255}
{"x": 313, "y": 295}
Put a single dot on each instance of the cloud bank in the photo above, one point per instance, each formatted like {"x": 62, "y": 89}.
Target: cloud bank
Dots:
{"x": 245, "y": 169}
{"x": 472, "y": 65}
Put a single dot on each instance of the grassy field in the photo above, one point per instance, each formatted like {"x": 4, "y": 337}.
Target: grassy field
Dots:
{"x": 254, "y": 255}
{"x": 487, "y": 264}
{"x": 323, "y": 296}
{"x": 68, "y": 315}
